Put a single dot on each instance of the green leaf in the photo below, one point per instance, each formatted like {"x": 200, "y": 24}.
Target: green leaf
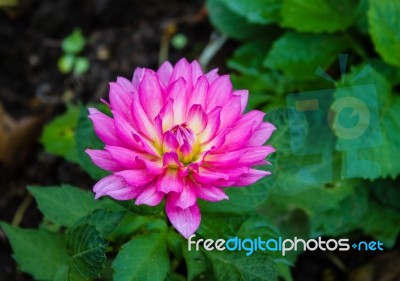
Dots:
{"x": 195, "y": 262}
{"x": 105, "y": 221}
{"x": 144, "y": 258}
{"x": 58, "y": 136}
{"x": 318, "y": 15}
{"x": 82, "y": 65}
{"x": 73, "y": 43}
{"x": 230, "y": 23}
{"x": 241, "y": 199}
{"x": 238, "y": 266}
{"x": 256, "y": 11}
{"x": 386, "y": 192}
{"x": 87, "y": 250}
{"x": 384, "y": 22}
{"x": 64, "y": 205}
{"x": 38, "y": 252}
{"x": 86, "y": 138}
{"x": 378, "y": 147}
{"x": 299, "y": 54}
{"x": 220, "y": 225}
{"x": 66, "y": 63}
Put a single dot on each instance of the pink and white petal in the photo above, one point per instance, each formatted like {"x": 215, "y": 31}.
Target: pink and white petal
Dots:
{"x": 147, "y": 146}
{"x": 208, "y": 176}
{"x": 187, "y": 197}
{"x": 170, "y": 142}
{"x": 136, "y": 177}
{"x": 212, "y": 75}
{"x": 197, "y": 118}
{"x": 182, "y": 69}
{"x": 186, "y": 221}
{"x": 219, "y": 92}
{"x": 171, "y": 159}
{"x": 170, "y": 182}
{"x": 177, "y": 92}
{"x": 213, "y": 124}
{"x": 256, "y": 155}
{"x": 124, "y": 156}
{"x": 125, "y": 84}
{"x": 244, "y": 97}
{"x": 164, "y": 73}
{"x": 150, "y": 94}
{"x": 199, "y": 93}
{"x": 251, "y": 177}
{"x": 167, "y": 115}
{"x": 224, "y": 159}
{"x": 141, "y": 120}
{"x": 137, "y": 78}
{"x": 154, "y": 167}
{"x": 262, "y": 134}
{"x": 120, "y": 100}
{"x": 104, "y": 127}
{"x": 216, "y": 142}
{"x": 125, "y": 131}
{"x": 115, "y": 187}
{"x": 150, "y": 196}
{"x": 243, "y": 130}
{"x": 103, "y": 159}
{"x": 210, "y": 193}
{"x": 230, "y": 112}
{"x": 196, "y": 71}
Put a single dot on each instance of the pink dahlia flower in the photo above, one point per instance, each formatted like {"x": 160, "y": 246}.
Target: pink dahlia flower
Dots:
{"x": 178, "y": 134}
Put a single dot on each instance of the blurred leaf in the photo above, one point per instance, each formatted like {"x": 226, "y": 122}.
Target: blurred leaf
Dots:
{"x": 8, "y": 3}
{"x": 143, "y": 258}
{"x": 221, "y": 225}
{"x": 64, "y": 205}
{"x": 299, "y": 54}
{"x": 238, "y": 266}
{"x": 58, "y": 136}
{"x": 66, "y": 63}
{"x": 318, "y": 15}
{"x": 74, "y": 42}
{"x": 195, "y": 262}
{"x": 85, "y": 137}
{"x": 82, "y": 65}
{"x": 382, "y": 223}
{"x": 384, "y": 22}
{"x": 256, "y": 11}
{"x": 230, "y": 23}
{"x": 386, "y": 192}
{"x": 87, "y": 250}
{"x": 38, "y": 252}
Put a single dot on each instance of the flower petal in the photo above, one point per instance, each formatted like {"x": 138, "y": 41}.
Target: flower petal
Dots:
{"x": 262, "y": 134}
{"x": 149, "y": 196}
{"x": 125, "y": 131}
{"x": 136, "y": 177}
{"x": 212, "y": 75}
{"x": 251, "y": 177}
{"x": 197, "y": 118}
{"x": 164, "y": 73}
{"x": 213, "y": 123}
{"x": 196, "y": 71}
{"x": 177, "y": 92}
{"x": 142, "y": 122}
{"x": 244, "y": 97}
{"x": 170, "y": 142}
{"x": 120, "y": 100}
{"x": 186, "y": 198}
{"x": 167, "y": 115}
{"x": 116, "y": 188}
{"x": 208, "y": 176}
{"x": 255, "y": 155}
{"x": 150, "y": 94}
{"x": 170, "y": 182}
{"x": 103, "y": 159}
{"x": 124, "y": 156}
{"x": 125, "y": 84}
{"x": 199, "y": 93}
{"x": 225, "y": 158}
{"x": 219, "y": 92}
{"x": 210, "y": 193}
{"x": 183, "y": 69}
{"x": 230, "y": 112}
{"x": 104, "y": 127}
{"x": 137, "y": 78}
{"x": 186, "y": 221}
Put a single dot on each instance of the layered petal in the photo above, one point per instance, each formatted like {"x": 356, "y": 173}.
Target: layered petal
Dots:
{"x": 115, "y": 187}
{"x": 186, "y": 221}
